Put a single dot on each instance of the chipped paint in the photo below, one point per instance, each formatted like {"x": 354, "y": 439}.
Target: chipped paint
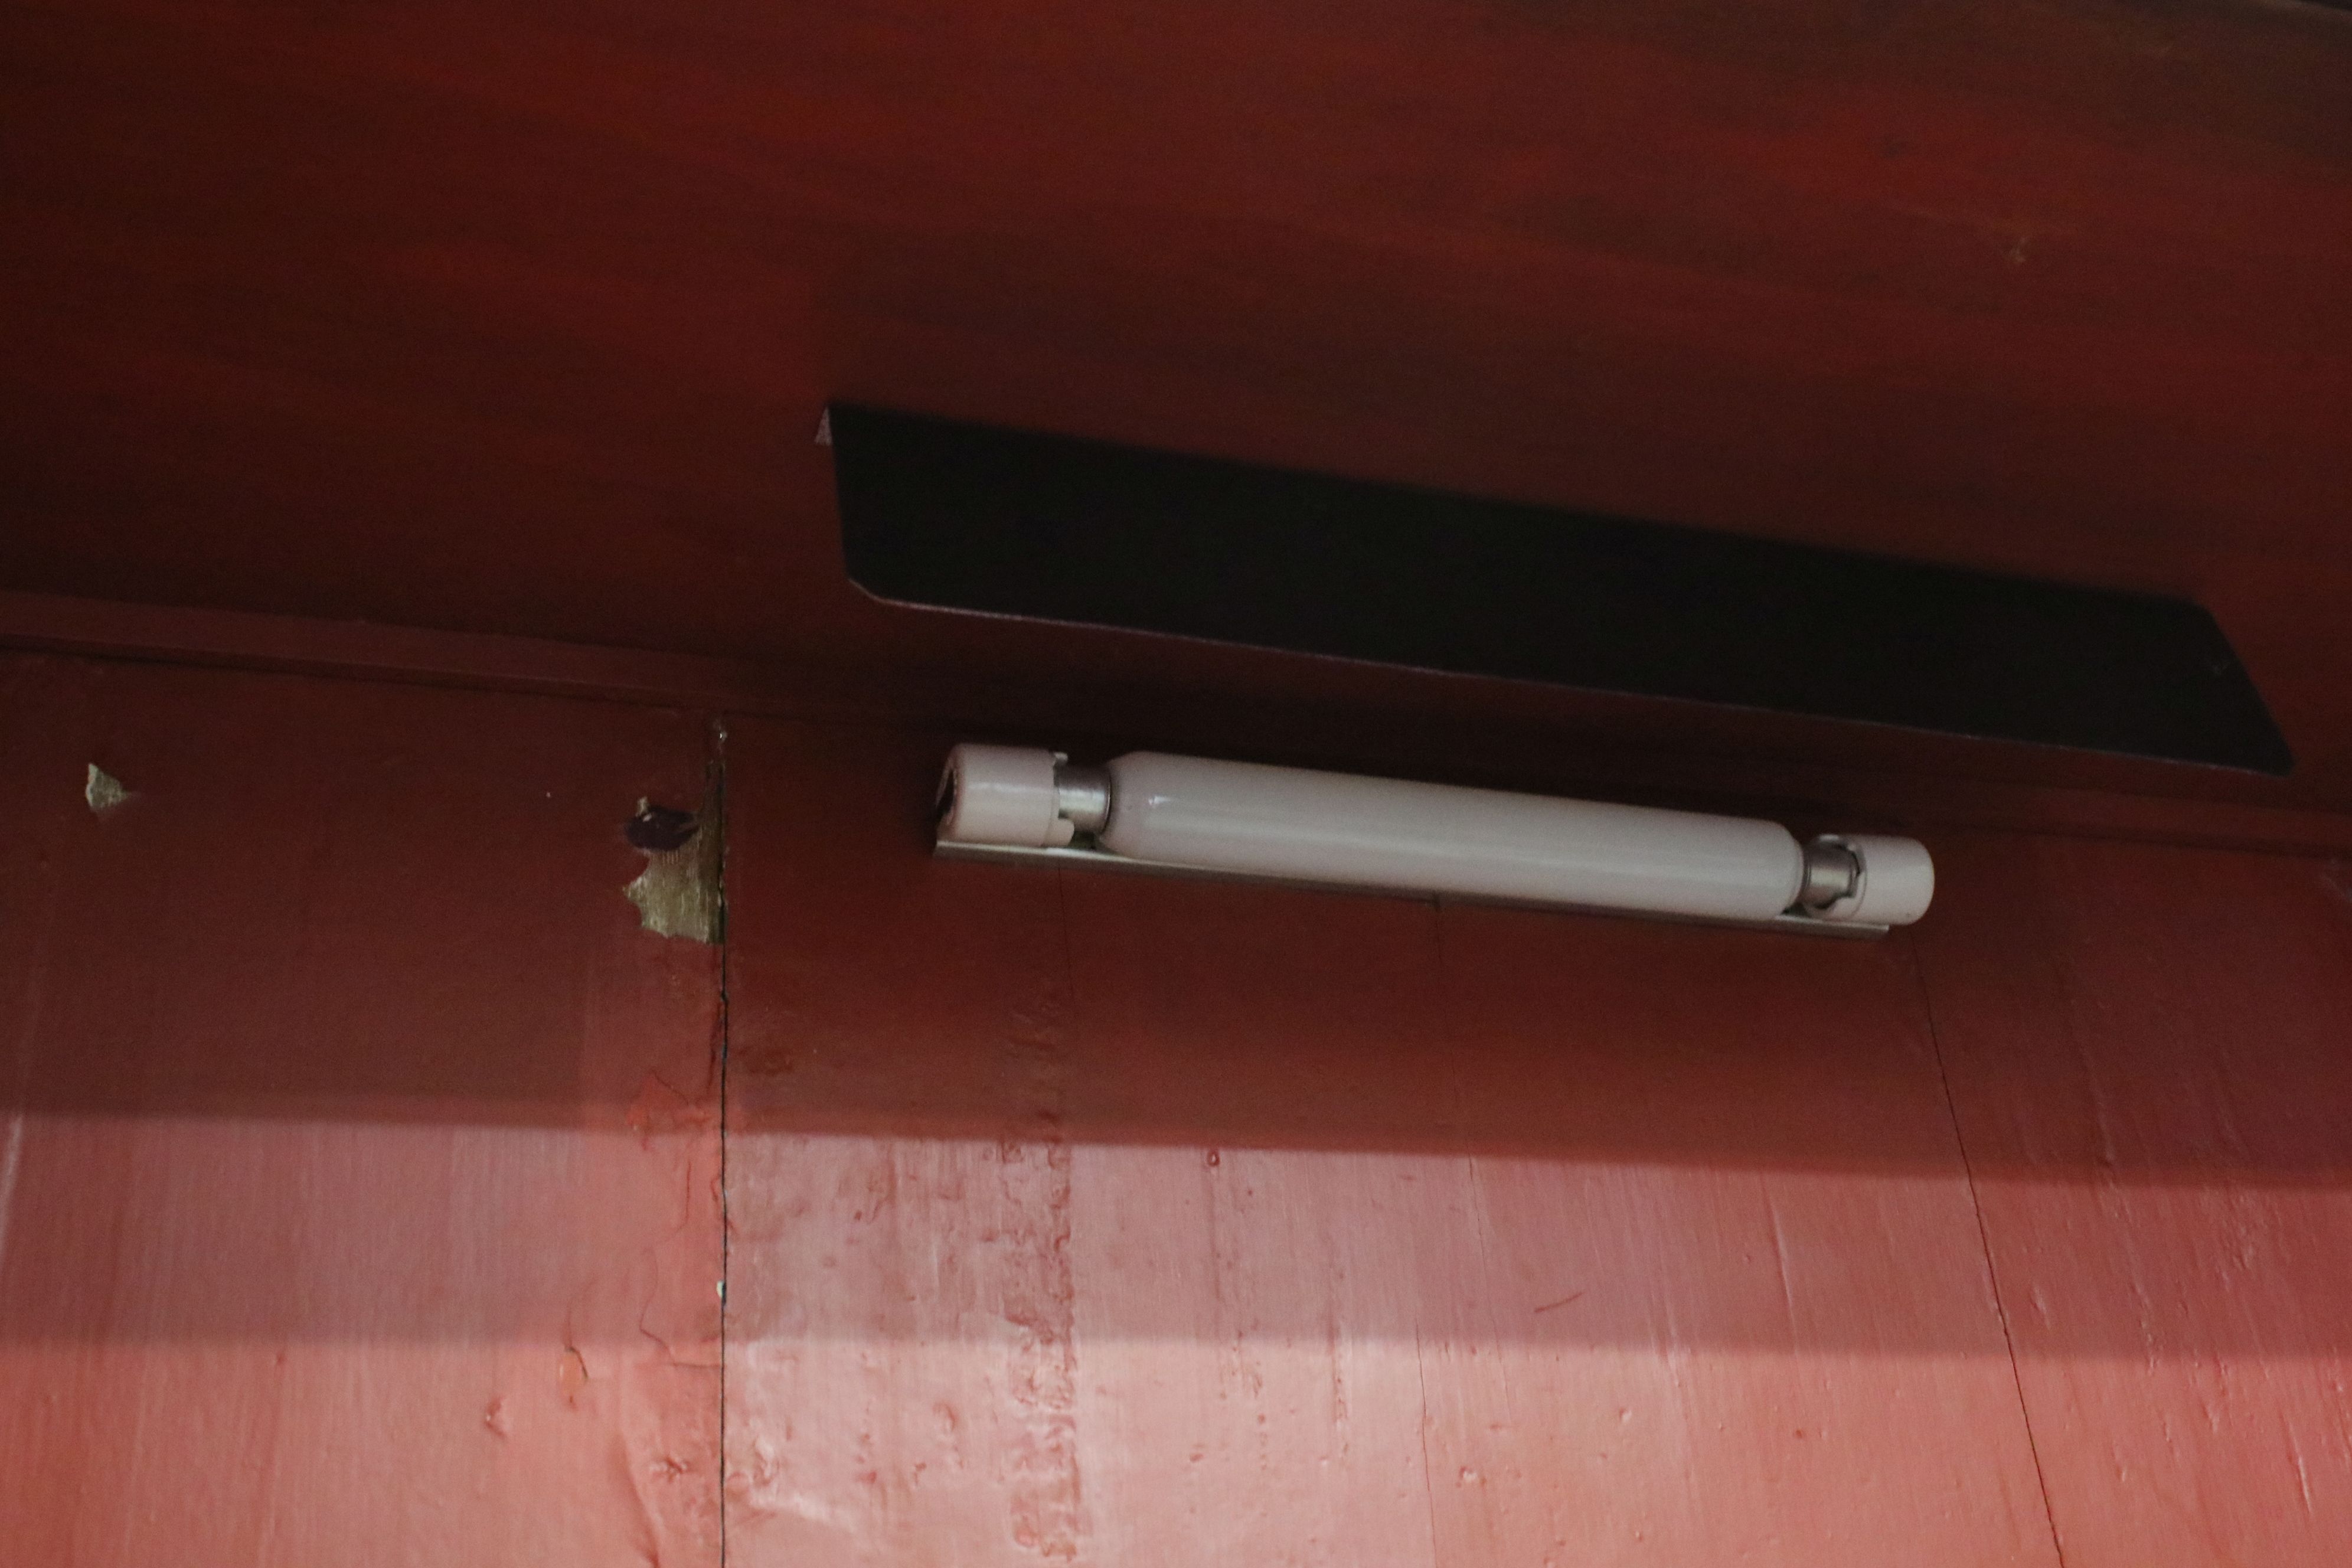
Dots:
{"x": 103, "y": 791}
{"x": 677, "y": 894}
{"x": 667, "y": 1425}
{"x": 475, "y": 1233}
{"x": 572, "y": 1374}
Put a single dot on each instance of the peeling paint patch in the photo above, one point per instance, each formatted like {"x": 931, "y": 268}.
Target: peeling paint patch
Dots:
{"x": 669, "y": 1429}
{"x": 572, "y": 1374}
{"x": 678, "y": 893}
{"x": 660, "y": 1111}
{"x": 103, "y": 791}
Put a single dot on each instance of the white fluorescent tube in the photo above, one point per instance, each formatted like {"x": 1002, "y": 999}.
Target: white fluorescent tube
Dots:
{"x": 1191, "y": 814}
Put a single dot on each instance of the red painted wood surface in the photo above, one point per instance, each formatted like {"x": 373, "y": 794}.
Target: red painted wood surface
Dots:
{"x": 358, "y": 1151}
{"x": 1825, "y": 787}
{"x": 509, "y": 316}
{"x": 2148, "y": 1054}
{"x": 1101, "y": 1220}
{"x": 358, "y": 1165}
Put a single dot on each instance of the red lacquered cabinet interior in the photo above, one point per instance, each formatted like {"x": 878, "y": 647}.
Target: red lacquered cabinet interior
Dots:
{"x": 493, "y": 1074}
{"x": 373, "y": 1173}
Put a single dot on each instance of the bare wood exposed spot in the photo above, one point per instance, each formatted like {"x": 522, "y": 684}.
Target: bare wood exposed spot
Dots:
{"x": 103, "y": 791}
{"x": 678, "y": 893}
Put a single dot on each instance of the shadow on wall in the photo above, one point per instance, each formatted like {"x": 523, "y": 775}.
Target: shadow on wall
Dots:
{"x": 349, "y": 958}
{"x": 2104, "y": 1013}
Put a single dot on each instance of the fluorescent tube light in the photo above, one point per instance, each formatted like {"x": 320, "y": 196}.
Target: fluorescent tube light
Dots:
{"x": 1148, "y": 811}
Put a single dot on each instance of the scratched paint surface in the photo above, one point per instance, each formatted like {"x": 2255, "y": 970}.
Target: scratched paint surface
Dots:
{"x": 358, "y": 1167}
{"x": 1106, "y": 1221}
{"x": 357, "y": 1148}
{"x": 2148, "y": 1052}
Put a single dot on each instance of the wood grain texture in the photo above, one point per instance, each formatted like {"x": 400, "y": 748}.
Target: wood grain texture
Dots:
{"x": 1107, "y": 1220}
{"x": 508, "y": 317}
{"x": 2148, "y": 1055}
{"x": 357, "y": 1196}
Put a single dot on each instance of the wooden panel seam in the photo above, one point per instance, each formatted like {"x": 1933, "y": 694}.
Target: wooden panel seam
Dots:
{"x": 1984, "y": 1235}
{"x": 234, "y": 639}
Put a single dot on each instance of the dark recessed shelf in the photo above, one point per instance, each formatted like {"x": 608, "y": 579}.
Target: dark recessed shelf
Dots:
{"x": 965, "y": 516}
